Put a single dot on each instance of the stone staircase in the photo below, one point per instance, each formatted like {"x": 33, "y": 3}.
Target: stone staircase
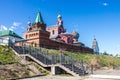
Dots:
{"x": 45, "y": 60}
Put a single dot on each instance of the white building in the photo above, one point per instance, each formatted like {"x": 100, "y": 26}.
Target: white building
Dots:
{"x": 7, "y": 35}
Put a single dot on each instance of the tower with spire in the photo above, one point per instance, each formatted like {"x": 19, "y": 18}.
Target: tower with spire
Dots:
{"x": 36, "y": 33}
{"x": 58, "y": 28}
{"x": 59, "y": 21}
{"x": 95, "y": 46}
{"x": 39, "y": 24}
{"x": 57, "y": 32}
{"x": 39, "y": 18}
{"x": 29, "y": 28}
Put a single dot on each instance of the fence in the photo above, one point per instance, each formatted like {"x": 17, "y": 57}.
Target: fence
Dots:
{"x": 42, "y": 55}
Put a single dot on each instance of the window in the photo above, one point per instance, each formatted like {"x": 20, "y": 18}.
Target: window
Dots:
{"x": 26, "y": 36}
{"x": 36, "y": 33}
{"x": 53, "y": 32}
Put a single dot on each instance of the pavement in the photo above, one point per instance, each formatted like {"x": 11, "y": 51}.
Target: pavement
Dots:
{"x": 54, "y": 78}
{"x": 98, "y": 75}
{"x": 102, "y": 77}
{"x": 91, "y": 77}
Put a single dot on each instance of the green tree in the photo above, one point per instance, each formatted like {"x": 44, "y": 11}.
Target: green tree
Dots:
{"x": 105, "y": 53}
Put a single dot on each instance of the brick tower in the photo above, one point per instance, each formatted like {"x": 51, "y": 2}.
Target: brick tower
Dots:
{"x": 36, "y": 34}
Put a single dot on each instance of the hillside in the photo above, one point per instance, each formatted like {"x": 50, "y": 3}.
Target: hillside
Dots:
{"x": 11, "y": 68}
{"x": 97, "y": 61}
{"x": 6, "y": 55}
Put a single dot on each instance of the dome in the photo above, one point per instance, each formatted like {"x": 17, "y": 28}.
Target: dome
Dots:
{"x": 29, "y": 23}
{"x": 75, "y": 34}
{"x": 59, "y": 16}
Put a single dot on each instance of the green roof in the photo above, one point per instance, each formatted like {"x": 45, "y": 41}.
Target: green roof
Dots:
{"x": 39, "y": 18}
{"x": 9, "y": 33}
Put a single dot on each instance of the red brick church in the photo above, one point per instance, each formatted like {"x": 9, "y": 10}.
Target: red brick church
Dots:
{"x": 53, "y": 37}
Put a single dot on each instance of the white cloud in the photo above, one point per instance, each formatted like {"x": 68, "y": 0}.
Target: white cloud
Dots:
{"x": 3, "y": 27}
{"x": 105, "y": 4}
{"x": 11, "y": 29}
{"x": 16, "y": 24}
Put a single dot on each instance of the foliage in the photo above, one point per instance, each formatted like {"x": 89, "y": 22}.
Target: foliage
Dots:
{"x": 105, "y": 53}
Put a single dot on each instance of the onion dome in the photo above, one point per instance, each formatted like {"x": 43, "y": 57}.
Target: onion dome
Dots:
{"x": 75, "y": 35}
{"x": 59, "y": 16}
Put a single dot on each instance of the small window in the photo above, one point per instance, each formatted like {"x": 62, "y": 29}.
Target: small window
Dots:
{"x": 36, "y": 33}
{"x": 26, "y": 36}
{"x": 53, "y": 32}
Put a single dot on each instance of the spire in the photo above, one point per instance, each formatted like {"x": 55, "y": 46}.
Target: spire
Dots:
{"x": 29, "y": 23}
{"x": 59, "y": 16}
{"x": 39, "y": 18}
{"x": 59, "y": 21}
{"x": 95, "y": 46}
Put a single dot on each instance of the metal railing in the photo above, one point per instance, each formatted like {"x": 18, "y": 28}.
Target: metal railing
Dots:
{"x": 44, "y": 57}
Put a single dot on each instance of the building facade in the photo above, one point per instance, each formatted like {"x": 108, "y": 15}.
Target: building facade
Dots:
{"x": 7, "y": 35}
{"x": 53, "y": 37}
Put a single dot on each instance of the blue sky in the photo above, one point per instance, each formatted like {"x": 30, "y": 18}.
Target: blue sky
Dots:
{"x": 88, "y": 17}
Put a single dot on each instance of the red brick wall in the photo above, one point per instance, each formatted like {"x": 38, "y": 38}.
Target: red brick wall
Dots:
{"x": 40, "y": 38}
{"x": 69, "y": 47}
{"x": 43, "y": 41}
{"x": 51, "y": 29}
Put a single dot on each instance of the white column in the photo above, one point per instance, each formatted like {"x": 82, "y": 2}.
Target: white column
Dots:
{"x": 53, "y": 69}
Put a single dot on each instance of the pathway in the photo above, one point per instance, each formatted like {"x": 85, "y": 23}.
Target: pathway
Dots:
{"x": 54, "y": 78}
{"x": 98, "y": 75}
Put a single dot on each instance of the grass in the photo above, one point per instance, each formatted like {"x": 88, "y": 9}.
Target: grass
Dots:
{"x": 43, "y": 71}
{"x": 4, "y": 79}
{"x": 93, "y": 59}
{"x": 6, "y": 55}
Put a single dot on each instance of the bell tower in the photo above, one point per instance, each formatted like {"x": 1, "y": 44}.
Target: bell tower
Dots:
{"x": 39, "y": 23}
{"x": 60, "y": 24}
{"x": 36, "y": 34}
{"x": 95, "y": 46}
